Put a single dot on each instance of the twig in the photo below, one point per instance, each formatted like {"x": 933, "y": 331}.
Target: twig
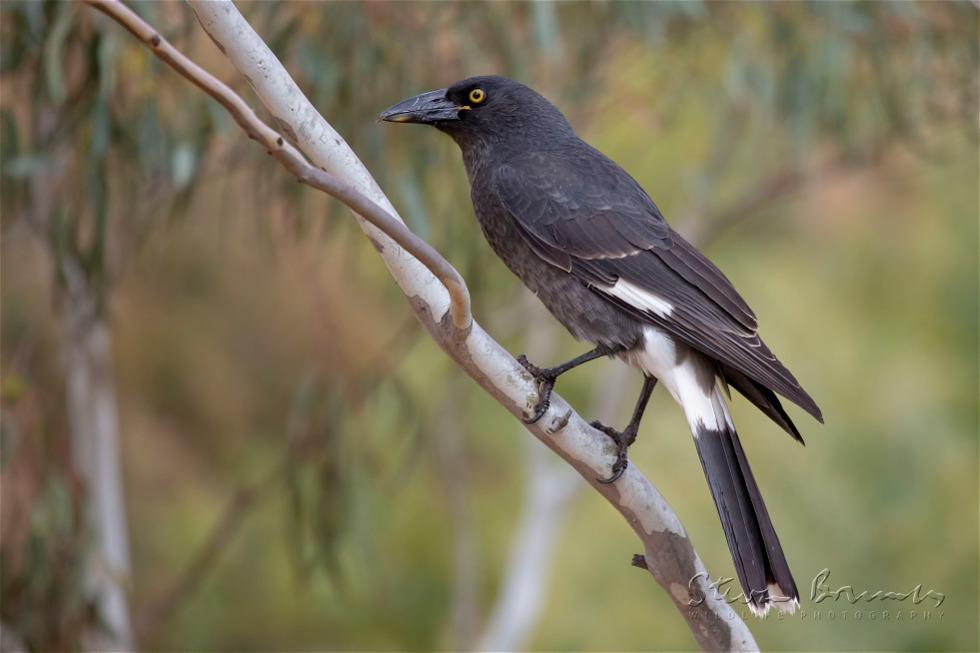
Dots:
{"x": 292, "y": 159}
{"x": 701, "y": 230}
{"x": 669, "y": 553}
{"x": 160, "y": 610}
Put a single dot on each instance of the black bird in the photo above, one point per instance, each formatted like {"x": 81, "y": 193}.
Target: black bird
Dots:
{"x": 588, "y": 241}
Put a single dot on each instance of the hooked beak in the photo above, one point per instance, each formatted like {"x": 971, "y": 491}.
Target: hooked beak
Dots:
{"x": 426, "y": 108}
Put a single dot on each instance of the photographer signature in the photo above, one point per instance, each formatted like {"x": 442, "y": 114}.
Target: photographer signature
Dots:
{"x": 820, "y": 591}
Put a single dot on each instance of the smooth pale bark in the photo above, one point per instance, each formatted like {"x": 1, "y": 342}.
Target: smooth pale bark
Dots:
{"x": 94, "y": 422}
{"x": 669, "y": 555}
{"x": 548, "y": 494}
{"x": 549, "y": 486}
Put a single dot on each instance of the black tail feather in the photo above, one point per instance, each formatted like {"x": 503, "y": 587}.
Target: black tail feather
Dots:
{"x": 759, "y": 560}
{"x": 763, "y": 398}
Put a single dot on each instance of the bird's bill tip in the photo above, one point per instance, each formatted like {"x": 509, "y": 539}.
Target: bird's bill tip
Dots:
{"x": 425, "y": 108}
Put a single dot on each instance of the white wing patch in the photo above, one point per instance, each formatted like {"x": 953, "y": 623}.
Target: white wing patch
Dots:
{"x": 639, "y": 297}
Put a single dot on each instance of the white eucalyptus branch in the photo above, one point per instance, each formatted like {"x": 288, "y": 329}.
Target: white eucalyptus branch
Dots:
{"x": 431, "y": 289}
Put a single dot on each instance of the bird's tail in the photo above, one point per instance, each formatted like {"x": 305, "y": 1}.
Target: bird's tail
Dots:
{"x": 759, "y": 560}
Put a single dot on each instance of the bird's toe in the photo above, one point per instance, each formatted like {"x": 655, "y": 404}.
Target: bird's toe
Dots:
{"x": 618, "y": 469}
{"x": 623, "y": 440}
{"x": 544, "y": 402}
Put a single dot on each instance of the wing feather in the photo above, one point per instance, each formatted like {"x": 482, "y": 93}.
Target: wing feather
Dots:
{"x": 580, "y": 212}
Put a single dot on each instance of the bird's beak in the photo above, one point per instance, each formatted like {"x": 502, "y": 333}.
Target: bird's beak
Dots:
{"x": 426, "y": 108}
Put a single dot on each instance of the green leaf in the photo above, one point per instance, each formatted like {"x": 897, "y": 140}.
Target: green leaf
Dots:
{"x": 13, "y": 387}
{"x": 151, "y": 140}
{"x": 54, "y": 73}
{"x": 183, "y": 162}
{"x": 101, "y": 126}
{"x": 22, "y": 167}
{"x": 546, "y": 36}
{"x": 9, "y": 142}
{"x": 106, "y": 54}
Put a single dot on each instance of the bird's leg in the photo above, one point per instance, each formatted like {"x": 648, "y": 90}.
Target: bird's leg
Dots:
{"x": 547, "y": 376}
{"x": 627, "y": 436}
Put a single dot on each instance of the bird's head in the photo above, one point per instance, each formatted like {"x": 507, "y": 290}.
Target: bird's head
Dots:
{"x": 481, "y": 109}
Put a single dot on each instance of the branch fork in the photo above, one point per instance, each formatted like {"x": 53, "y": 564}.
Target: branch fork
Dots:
{"x": 439, "y": 297}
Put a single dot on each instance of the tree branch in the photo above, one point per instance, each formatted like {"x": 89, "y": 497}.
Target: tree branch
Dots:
{"x": 157, "y": 612}
{"x": 160, "y": 610}
{"x": 548, "y": 490}
{"x": 443, "y": 308}
{"x": 702, "y": 228}
{"x": 293, "y": 160}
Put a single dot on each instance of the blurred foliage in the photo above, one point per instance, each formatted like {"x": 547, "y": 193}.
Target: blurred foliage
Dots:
{"x": 257, "y": 340}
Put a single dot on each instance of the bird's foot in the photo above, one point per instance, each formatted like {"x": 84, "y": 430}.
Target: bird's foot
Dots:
{"x": 623, "y": 440}
{"x": 545, "y": 379}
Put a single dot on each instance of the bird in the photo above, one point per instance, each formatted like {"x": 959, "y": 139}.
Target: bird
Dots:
{"x": 584, "y": 237}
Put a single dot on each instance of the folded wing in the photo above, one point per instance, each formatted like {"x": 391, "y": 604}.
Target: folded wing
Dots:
{"x": 582, "y": 213}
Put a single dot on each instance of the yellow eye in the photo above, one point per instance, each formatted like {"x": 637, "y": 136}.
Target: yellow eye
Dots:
{"x": 477, "y": 95}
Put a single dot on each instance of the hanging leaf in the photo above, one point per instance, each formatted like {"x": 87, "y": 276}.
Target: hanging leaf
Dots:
{"x": 152, "y": 140}
{"x": 101, "y": 126}
{"x": 54, "y": 51}
{"x": 183, "y": 162}
{"x": 22, "y": 167}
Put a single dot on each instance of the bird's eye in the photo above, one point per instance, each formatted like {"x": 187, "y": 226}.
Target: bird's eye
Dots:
{"x": 477, "y": 95}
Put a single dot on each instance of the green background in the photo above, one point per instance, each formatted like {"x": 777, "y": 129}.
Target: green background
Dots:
{"x": 824, "y": 154}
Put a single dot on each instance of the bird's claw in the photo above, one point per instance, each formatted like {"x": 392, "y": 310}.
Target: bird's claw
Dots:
{"x": 623, "y": 441}
{"x": 545, "y": 382}
{"x": 535, "y": 371}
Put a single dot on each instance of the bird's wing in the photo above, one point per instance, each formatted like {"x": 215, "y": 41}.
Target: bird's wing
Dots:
{"x": 572, "y": 208}
{"x": 581, "y": 212}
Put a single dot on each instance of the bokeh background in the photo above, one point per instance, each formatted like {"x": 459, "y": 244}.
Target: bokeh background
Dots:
{"x": 302, "y": 468}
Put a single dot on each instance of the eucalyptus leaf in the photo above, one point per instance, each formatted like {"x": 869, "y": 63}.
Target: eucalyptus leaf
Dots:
{"x": 9, "y": 140}
{"x": 22, "y": 167}
{"x": 54, "y": 72}
{"x": 101, "y": 126}
{"x": 183, "y": 164}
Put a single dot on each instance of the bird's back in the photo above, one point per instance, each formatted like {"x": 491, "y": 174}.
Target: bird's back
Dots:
{"x": 560, "y": 214}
